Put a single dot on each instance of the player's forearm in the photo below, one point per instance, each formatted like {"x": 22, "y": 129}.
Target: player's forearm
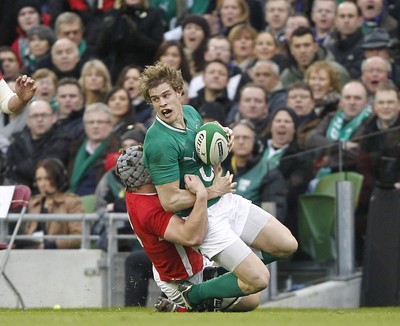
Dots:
{"x": 196, "y": 224}
{"x": 176, "y": 200}
{"x": 15, "y": 104}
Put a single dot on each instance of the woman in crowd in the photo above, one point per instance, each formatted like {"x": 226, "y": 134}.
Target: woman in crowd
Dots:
{"x": 242, "y": 39}
{"x": 172, "y": 52}
{"x": 325, "y": 86}
{"x": 195, "y": 33}
{"x": 267, "y": 48}
{"x": 51, "y": 181}
{"x": 121, "y": 108}
{"x": 95, "y": 81}
{"x": 232, "y": 13}
{"x": 129, "y": 80}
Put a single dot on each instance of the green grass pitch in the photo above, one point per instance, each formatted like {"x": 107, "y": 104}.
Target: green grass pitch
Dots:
{"x": 147, "y": 317}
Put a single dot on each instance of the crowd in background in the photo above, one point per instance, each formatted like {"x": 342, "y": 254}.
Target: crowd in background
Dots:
{"x": 288, "y": 76}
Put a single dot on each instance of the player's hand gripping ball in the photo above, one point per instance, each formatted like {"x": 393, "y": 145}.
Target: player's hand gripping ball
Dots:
{"x": 211, "y": 143}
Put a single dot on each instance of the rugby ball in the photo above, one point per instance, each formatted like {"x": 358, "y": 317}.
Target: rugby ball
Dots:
{"x": 211, "y": 143}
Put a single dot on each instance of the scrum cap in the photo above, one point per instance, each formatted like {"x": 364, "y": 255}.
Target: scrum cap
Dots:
{"x": 130, "y": 168}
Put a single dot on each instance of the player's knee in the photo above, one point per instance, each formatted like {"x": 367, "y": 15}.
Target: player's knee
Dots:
{"x": 260, "y": 281}
{"x": 288, "y": 247}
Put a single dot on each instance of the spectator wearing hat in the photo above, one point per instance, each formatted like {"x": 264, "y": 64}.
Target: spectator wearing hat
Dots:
{"x": 378, "y": 43}
{"x": 40, "y": 40}
{"x": 129, "y": 35}
{"x": 347, "y": 38}
{"x": 195, "y": 34}
{"x": 27, "y": 14}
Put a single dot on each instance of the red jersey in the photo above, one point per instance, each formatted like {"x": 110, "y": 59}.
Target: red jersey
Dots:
{"x": 149, "y": 222}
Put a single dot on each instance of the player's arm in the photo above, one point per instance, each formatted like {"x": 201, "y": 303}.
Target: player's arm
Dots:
{"x": 11, "y": 102}
{"x": 175, "y": 199}
{"x": 190, "y": 232}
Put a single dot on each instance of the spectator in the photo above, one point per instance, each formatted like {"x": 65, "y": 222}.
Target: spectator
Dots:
{"x": 252, "y": 106}
{"x": 323, "y": 17}
{"x": 304, "y": 51}
{"x": 242, "y": 39}
{"x": 46, "y": 81}
{"x": 324, "y": 83}
{"x": 9, "y": 68}
{"x": 219, "y": 47}
{"x": 382, "y": 134}
{"x": 70, "y": 102}
{"x": 377, "y": 43}
{"x": 195, "y": 33}
{"x": 342, "y": 126}
{"x": 95, "y": 81}
{"x": 250, "y": 170}
{"x": 375, "y": 71}
{"x": 39, "y": 139}
{"x": 64, "y": 59}
{"x": 173, "y": 13}
{"x": 280, "y": 154}
{"x": 232, "y": 13}
{"x": 266, "y": 48}
{"x": 89, "y": 12}
{"x": 9, "y": 65}
{"x": 374, "y": 15}
{"x": 300, "y": 99}
{"x": 129, "y": 80}
{"x": 294, "y": 21}
{"x": 265, "y": 73}
{"x": 276, "y": 14}
{"x": 86, "y": 166}
{"x": 347, "y": 38}
{"x": 51, "y": 181}
{"x": 129, "y": 35}
{"x": 216, "y": 77}
{"x": 70, "y": 25}
{"x": 172, "y": 52}
{"x": 122, "y": 112}
{"x": 27, "y": 15}
{"x": 40, "y": 40}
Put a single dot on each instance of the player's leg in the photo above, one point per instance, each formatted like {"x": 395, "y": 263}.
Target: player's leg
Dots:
{"x": 265, "y": 232}
{"x": 249, "y": 275}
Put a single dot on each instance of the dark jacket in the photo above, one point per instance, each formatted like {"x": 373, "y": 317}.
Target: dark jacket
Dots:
{"x": 348, "y": 52}
{"x": 129, "y": 36}
{"x": 24, "y": 153}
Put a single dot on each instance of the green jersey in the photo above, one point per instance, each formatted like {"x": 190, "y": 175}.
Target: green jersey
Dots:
{"x": 169, "y": 153}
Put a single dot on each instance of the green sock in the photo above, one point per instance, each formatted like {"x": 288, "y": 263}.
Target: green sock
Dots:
{"x": 224, "y": 286}
{"x": 268, "y": 258}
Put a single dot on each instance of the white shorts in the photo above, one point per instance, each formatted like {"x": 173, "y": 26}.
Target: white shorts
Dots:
{"x": 233, "y": 222}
